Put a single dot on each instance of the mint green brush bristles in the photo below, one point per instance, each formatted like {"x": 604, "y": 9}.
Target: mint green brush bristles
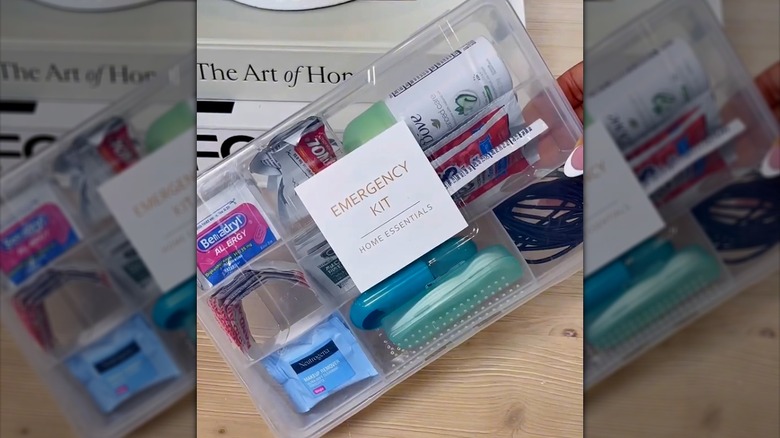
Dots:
{"x": 446, "y": 301}
{"x": 691, "y": 270}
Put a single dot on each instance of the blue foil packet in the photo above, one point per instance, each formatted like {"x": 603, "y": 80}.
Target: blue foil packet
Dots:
{"x": 130, "y": 359}
{"x": 323, "y": 361}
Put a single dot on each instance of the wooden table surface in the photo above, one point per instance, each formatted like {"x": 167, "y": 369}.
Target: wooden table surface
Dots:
{"x": 719, "y": 377}
{"x": 520, "y": 377}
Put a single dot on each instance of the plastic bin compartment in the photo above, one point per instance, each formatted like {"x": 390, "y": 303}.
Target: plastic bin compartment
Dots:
{"x": 494, "y": 149}
{"x": 544, "y": 222}
{"x": 264, "y": 305}
{"x": 652, "y": 289}
{"x": 90, "y": 159}
{"x": 405, "y": 319}
{"x": 741, "y": 221}
{"x": 669, "y": 87}
{"x": 681, "y": 290}
{"x": 324, "y": 268}
{"x": 488, "y": 117}
{"x": 717, "y": 148}
{"x": 267, "y": 172}
{"x": 69, "y": 303}
{"x": 177, "y": 341}
{"x": 233, "y": 229}
{"x": 125, "y": 264}
{"x": 36, "y": 229}
{"x": 123, "y": 375}
{"x": 307, "y": 382}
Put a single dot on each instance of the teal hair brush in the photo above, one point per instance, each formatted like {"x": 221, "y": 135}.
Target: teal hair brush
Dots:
{"x": 688, "y": 272}
{"x": 447, "y": 300}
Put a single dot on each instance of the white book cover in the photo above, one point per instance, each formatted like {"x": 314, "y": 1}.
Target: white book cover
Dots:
{"x": 248, "y": 53}
{"x": 232, "y": 113}
{"x": 51, "y": 54}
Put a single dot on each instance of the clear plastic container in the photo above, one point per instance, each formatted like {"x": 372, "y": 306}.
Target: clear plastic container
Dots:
{"x": 316, "y": 316}
{"x": 691, "y": 124}
{"x": 77, "y": 298}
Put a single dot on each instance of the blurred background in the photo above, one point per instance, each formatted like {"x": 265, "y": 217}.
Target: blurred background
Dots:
{"x": 96, "y": 118}
{"x": 715, "y": 371}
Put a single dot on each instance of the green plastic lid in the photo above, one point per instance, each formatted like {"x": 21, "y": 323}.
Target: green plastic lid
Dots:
{"x": 170, "y": 125}
{"x": 372, "y": 122}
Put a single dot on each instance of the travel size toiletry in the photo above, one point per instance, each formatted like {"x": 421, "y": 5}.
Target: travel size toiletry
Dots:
{"x": 649, "y": 92}
{"x": 481, "y": 143}
{"x": 451, "y": 297}
{"x": 325, "y": 268}
{"x": 176, "y": 121}
{"x": 92, "y": 159}
{"x": 689, "y": 271}
{"x": 122, "y": 256}
{"x": 700, "y": 112}
{"x": 291, "y": 158}
{"x": 439, "y": 99}
{"x": 319, "y": 363}
{"x": 122, "y": 364}
{"x": 371, "y": 306}
{"x": 507, "y": 104}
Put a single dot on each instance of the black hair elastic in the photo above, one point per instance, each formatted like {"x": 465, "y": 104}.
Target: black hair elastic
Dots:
{"x": 742, "y": 218}
{"x": 545, "y": 226}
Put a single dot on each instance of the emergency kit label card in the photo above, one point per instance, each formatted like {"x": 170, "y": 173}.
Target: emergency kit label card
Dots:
{"x": 381, "y": 207}
{"x": 618, "y": 213}
{"x": 154, "y": 203}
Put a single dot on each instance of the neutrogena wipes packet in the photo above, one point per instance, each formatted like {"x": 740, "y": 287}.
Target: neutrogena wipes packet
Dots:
{"x": 314, "y": 366}
{"x": 123, "y": 363}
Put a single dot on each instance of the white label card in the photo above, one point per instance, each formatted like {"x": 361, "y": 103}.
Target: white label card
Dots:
{"x": 381, "y": 207}
{"x": 618, "y": 213}
{"x": 154, "y": 203}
